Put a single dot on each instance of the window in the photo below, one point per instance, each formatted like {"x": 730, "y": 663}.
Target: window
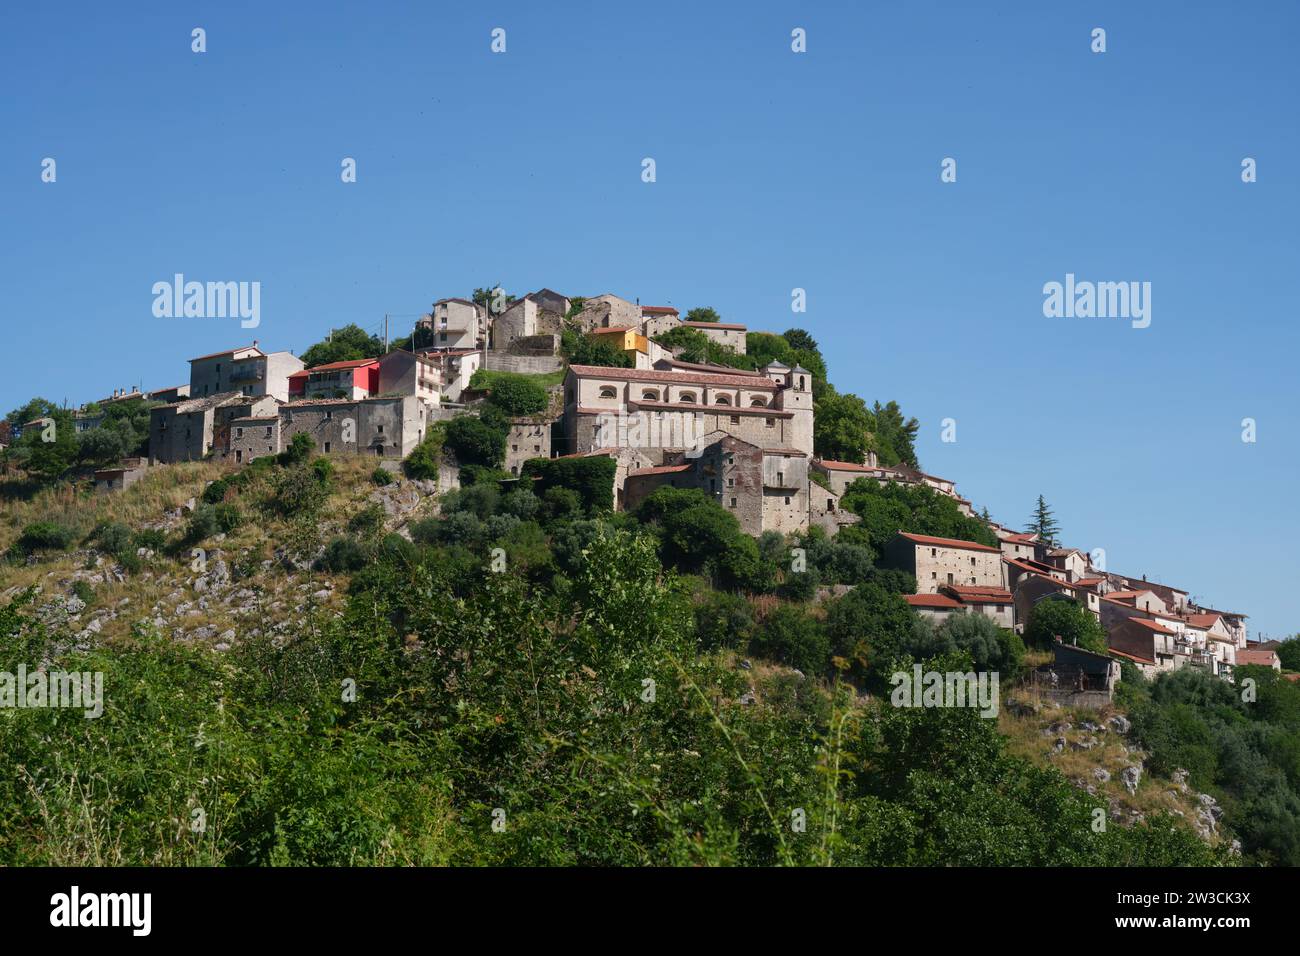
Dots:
{"x": 950, "y": 577}
{"x": 934, "y": 552}
{"x": 608, "y": 391}
{"x": 802, "y": 386}
{"x": 758, "y": 401}
{"x": 381, "y": 429}
{"x": 687, "y": 398}
{"x": 649, "y": 395}
{"x": 770, "y": 422}
{"x": 735, "y": 419}
{"x": 327, "y": 447}
{"x": 787, "y": 499}
{"x": 733, "y": 502}
{"x": 239, "y": 433}
{"x": 722, "y": 400}
{"x": 328, "y": 416}
{"x": 731, "y": 482}
{"x": 268, "y": 431}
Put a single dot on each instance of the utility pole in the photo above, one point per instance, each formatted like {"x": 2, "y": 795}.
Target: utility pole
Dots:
{"x": 385, "y": 333}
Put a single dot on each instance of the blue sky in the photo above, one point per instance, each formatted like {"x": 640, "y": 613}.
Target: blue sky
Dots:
{"x": 775, "y": 170}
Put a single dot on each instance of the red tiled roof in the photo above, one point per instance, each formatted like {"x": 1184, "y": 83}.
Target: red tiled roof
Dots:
{"x": 1019, "y": 537}
{"x": 948, "y": 542}
{"x": 665, "y": 309}
{"x": 973, "y": 594}
{"x": 1202, "y": 620}
{"x": 930, "y": 600}
{"x": 660, "y": 470}
{"x": 1121, "y": 595}
{"x": 716, "y": 325}
{"x": 681, "y": 378}
{"x": 1158, "y": 628}
{"x": 612, "y": 328}
{"x": 1089, "y": 582}
{"x": 352, "y": 363}
{"x": 1264, "y": 658}
{"x": 843, "y": 465}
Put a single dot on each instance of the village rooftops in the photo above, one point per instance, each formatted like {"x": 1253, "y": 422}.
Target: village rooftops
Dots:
{"x": 187, "y": 406}
{"x": 1130, "y": 657}
{"x": 1123, "y": 597}
{"x": 933, "y": 542}
{"x": 683, "y": 378}
{"x": 659, "y": 309}
{"x": 458, "y": 301}
{"x": 729, "y": 326}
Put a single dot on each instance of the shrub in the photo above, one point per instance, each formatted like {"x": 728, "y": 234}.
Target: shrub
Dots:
{"x": 1068, "y": 620}
{"x": 151, "y": 538}
{"x": 344, "y": 555}
{"x": 423, "y": 461}
{"x": 382, "y": 476}
{"x": 517, "y": 395}
{"x": 299, "y": 450}
{"x": 215, "y": 493}
{"x": 724, "y": 620}
{"x": 789, "y": 635}
{"x": 296, "y": 492}
{"x": 44, "y": 536}
{"x": 84, "y": 591}
{"x": 592, "y": 479}
{"x": 478, "y": 440}
{"x": 368, "y": 521}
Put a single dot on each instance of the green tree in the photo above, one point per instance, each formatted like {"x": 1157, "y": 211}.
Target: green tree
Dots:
{"x": 702, "y": 313}
{"x": 842, "y": 427}
{"x": 1043, "y": 523}
{"x": 344, "y": 345}
{"x": 1054, "y": 617}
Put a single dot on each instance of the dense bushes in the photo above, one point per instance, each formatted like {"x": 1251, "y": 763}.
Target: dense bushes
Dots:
{"x": 590, "y": 479}
{"x": 43, "y": 536}
{"x": 892, "y": 507}
{"x": 1241, "y": 743}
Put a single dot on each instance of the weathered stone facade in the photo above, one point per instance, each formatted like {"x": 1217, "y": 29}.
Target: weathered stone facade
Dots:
{"x": 528, "y": 438}
{"x": 946, "y": 561}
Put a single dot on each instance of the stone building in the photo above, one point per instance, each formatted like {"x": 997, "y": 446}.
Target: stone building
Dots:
{"x": 455, "y": 369}
{"x": 604, "y": 311}
{"x": 532, "y": 316}
{"x": 728, "y": 334}
{"x": 379, "y": 427}
{"x": 248, "y": 371}
{"x": 992, "y": 602}
{"x": 937, "y": 562}
{"x": 528, "y": 438}
{"x": 658, "y": 319}
{"x": 121, "y": 476}
{"x": 194, "y": 428}
{"x": 767, "y": 489}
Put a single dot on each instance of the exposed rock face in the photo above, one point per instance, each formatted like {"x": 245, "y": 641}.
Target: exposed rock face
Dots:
{"x": 1101, "y": 774}
{"x": 1130, "y": 776}
{"x": 1120, "y": 724}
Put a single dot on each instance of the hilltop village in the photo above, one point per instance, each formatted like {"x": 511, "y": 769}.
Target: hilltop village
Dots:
{"x": 742, "y": 436}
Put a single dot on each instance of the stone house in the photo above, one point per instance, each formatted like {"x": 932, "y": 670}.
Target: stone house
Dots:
{"x": 528, "y": 438}
{"x": 766, "y": 489}
{"x": 658, "y": 319}
{"x": 603, "y": 311}
{"x": 120, "y": 476}
{"x": 840, "y": 474}
{"x": 937, "y": 562}
{"x": 194, "y": 428}
{"x": 724, "y": 333}
{"x": 248, "y": 371}
{"x": 1070, "y": 560}
{"x": 1020, "y": 545}
{"x": 379, "y": 427}
{"x": 993, "y": 603}
{"x": 526, "y": 318}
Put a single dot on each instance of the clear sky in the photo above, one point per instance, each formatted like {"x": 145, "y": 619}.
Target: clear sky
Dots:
{"x": 775, "y": 170}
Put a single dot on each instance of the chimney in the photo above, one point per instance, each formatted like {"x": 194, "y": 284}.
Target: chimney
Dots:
{"x": 254, "y": 343}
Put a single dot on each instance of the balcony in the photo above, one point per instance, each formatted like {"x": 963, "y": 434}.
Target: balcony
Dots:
{"x": 247, "y": 373}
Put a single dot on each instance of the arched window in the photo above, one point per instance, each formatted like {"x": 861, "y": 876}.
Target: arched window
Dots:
{"x": 687, "y": 398}
{"x": 758, "y": 401}
{"x": 649, "y": 395}
{"x": 722, "y": 400}
{"x": 608, "y": 391}
{"x": 802, "y": 385}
